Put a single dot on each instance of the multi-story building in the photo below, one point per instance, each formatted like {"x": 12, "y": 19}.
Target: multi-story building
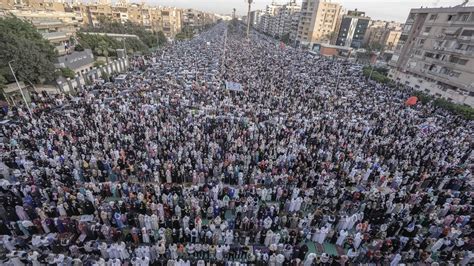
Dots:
{"x": 352, "y": 30}
{"x": 167, "y": 19}
{"x": 383, "y": 34}
{"x": 171, "y": 21}
{"x": 435, "y": 53}
{"x": 55, "y": 26}
{"x": 256, "y": 17}
{"x": 318, "y": 20}
{"x": 280, "y": 19}
{"x": 196, "y": 19}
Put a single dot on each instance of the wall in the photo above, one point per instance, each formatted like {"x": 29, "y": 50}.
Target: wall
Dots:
{"x": 431, "y": 88}
{"x": 72, "y": 85}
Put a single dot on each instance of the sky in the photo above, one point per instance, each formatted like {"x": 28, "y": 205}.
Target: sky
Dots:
{"x": 391, "y": 10}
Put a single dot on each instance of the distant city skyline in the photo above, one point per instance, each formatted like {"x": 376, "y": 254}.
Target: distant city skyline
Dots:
{"x": 390, "y": 10}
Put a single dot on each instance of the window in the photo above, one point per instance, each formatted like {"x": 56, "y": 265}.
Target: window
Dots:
{"x": 422, "y": 41}
{"x": 455, "y": 74}
{"x": 427, "y": 29}
{"x": 463, "y": 17}
{"x": 451, "y": 17}
{"x": 467, "y": 33}
{"x": 434, "y": 17}
{"x": 458, "y": 60}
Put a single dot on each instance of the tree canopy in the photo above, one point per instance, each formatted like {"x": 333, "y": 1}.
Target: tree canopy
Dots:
{"x": 103, "y": 43}
{"x": 32, "y": 56}
{"x": 149, "y": 38}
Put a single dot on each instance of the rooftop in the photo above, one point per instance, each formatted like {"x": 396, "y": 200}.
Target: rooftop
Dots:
{"x": 454, "y": 9}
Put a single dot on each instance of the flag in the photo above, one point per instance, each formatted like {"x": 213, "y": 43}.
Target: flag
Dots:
{"x": 411, "y": 101}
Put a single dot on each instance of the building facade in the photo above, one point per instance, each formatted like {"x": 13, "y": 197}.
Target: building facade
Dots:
{"x": 280, "y": 19}
{"x": 170, "y": 20}
{"x": 436, "y": 53}
{"x": 318, "y": 20}
{"x": 58, "y": 27}
{"x": 383, "y": 34}
{"x": 256, "y": 17}
{"x": 352, "y": 30}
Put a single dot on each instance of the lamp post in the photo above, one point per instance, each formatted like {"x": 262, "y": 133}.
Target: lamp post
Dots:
{"x": 19, "y": 87}
{"x": 248, "y": 18}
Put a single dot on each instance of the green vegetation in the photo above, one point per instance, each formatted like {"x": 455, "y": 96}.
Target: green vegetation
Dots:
{"x": 3, "y": 82}
{"x": 103, "y": 49}
{"x": 379, "y": 74}
{"x": 459, "y": 109}
{"x": 32, "y": 56}
{"x": 67, "y": 72}
{"x": 150, "y": 39}
{"x": 105, "y": 76}
{"x": 186, "y": 33}
{"x": 103, "y": 45}
{"x": 99, "y": 63}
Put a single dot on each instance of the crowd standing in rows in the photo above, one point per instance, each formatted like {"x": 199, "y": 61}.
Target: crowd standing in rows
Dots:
{"x": 172, "y": 168}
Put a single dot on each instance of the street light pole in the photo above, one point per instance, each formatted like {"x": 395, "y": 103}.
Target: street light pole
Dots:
{"x": 21, "y": 91}
{"x": 248, "y": 19}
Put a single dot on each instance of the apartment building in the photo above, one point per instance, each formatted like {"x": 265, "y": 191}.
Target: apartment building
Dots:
{"x": 171, "y": 21}
{"x": 318, "y": 20}
{"x": 383, "y": 34}
{"x": 352, "y": 30}
{"x": 256, "y": 17}
{"x": 58, "y": 27}
{"x": 436, "y": 53}
{"x": 280, "y": 19}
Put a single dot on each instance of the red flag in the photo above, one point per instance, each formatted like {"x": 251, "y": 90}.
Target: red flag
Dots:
{"x": 411, "y": 101}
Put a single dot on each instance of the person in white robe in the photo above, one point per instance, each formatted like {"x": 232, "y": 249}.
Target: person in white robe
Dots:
{"x": 342, "y": 237}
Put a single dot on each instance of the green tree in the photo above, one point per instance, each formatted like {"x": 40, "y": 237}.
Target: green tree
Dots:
{"x": 32, "y": 56}
{"x": 103, "y": 49}
{"x": 150, "y": 39}
{"x": 67, "y": 72}
{"x": 99, "y": 63}
{"x": 162, "y": 40}
{"x": 91, "y": 41}
{"x": 3, "y": 82}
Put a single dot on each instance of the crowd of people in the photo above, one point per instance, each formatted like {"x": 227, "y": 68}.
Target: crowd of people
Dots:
{"x": 310, "y": 164}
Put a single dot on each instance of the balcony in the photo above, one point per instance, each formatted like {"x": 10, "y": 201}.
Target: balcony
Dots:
{"x": 457, "y": 51}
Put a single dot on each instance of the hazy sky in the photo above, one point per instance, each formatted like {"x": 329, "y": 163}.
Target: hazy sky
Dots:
{"x": 396, "y": 10}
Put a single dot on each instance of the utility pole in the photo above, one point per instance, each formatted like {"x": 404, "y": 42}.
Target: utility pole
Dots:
{"x": 233, "y": 14}
{"x": 248, "y": 19}
{"x": 21, "y": 91}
